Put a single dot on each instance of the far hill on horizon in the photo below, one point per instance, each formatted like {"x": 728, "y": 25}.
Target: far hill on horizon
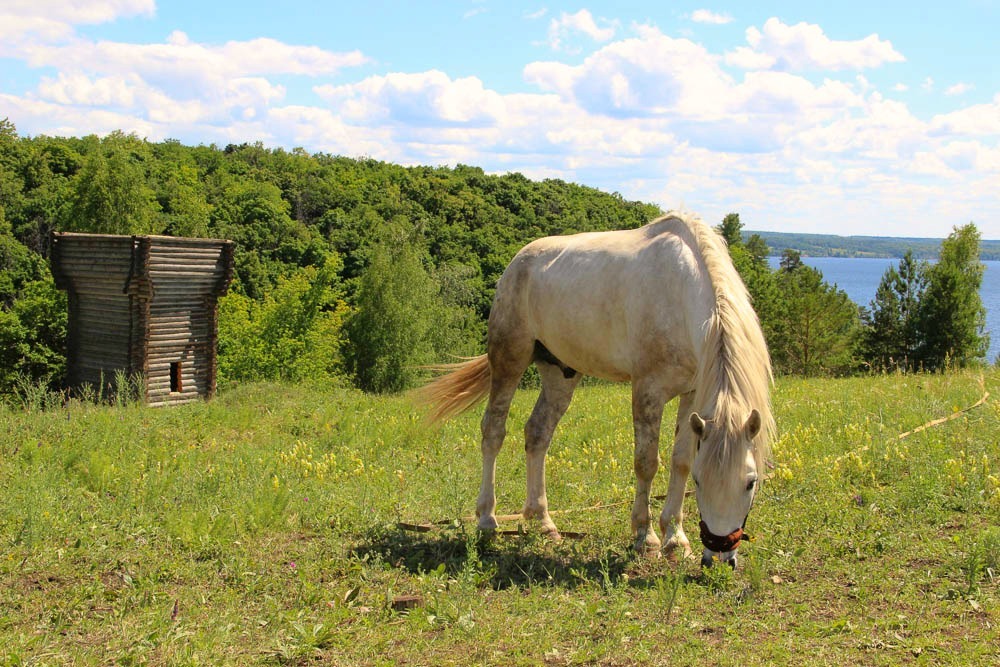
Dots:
{"x": 830, "y": 245}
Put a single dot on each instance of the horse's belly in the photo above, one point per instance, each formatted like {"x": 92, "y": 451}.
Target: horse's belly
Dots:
{"x": 588, "y": 342}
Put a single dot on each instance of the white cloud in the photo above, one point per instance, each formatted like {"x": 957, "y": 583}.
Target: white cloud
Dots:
{"x": 900, "y": 88}
{"x": 981, "y": 120}
{"x": 180, "y": 60}
{"x": 582, "y": 22}
{"x": 30, "y": 21}
{"x": 74, "y": 11}
{"x": 885, "y": 130}
{"x": 424, "y": 99}
{"x": 928, "y": 84}
{"x": 746, "y": 58}
{"x": 649, "y": 75}
{"x": 805, "y": 46}
{"x": 679, "y": 85}
{"x": 707, "y": 16}
{"x": 960, "y": 88}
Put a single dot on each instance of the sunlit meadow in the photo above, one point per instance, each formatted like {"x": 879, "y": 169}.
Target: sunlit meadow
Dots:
{"x": 264, "y": 527}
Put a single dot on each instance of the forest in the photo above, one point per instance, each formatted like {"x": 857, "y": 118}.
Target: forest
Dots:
{"x": 357, "y": 272}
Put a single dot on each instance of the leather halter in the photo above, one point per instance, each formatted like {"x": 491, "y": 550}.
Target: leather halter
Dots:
{"x": 722, "y": 543}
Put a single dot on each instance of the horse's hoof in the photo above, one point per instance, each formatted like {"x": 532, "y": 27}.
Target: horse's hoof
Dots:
{"x": 677, "y": 552}
{"x": 487, "y": 524}
{"x": 647, "y": 548}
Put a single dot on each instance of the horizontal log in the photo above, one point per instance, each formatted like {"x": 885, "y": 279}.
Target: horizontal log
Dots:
{"x": 88, "y": 250}
{"x": 112, "y": 342}
{"x": 186, "y": 270}
{"x": 108, "y": 343}
{"x": 166, "y": 333}
{"x": 189, "y": 387}
{"x": 160, "y": 321}
{"x": 164, "y": 403}
{"x": 78, "y": 251}
{"x": 165, "y": 391}
{"x": 106, "y": 297}
{"x": 105, "y": 319}
{"x": 99, "y": 294}
{"x": 93, "y": 265}
{"x": 189, "y": 248}
{"x": 182, "y": 292}
{"x": 194, "y": 259}
{"x": 162, "y": 370}
{"x": 95, "y": 330}
{"x": 195, "y": 284}
{"x": 189, "y": 357}
{"x": 97, "y": 363}
{"x": 103, "y": 291}
{"x": 158, "y": 338}
{"x": 175, "y": 352}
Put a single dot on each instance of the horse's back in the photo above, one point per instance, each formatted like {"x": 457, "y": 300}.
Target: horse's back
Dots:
{"x": 594, "y": 299}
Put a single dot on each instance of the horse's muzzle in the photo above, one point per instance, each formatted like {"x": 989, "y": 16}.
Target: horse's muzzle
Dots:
{"x": 709, "y": 559}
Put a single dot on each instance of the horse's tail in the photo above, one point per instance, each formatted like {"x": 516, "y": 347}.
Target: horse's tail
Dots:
{"x": 462, "y": 386}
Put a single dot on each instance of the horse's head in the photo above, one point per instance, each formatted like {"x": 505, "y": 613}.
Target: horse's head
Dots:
{"x": 726, "y": 479}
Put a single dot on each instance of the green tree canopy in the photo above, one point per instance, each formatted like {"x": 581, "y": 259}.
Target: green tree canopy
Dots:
{"x": 951, "y": 316}
{"x": 815, "y": 329}
{"x": 892, "y": 336}
{"x": 398, "y": 311}
{"x": 111, "y": 195}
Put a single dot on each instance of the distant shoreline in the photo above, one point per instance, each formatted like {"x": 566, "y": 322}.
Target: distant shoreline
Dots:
{"x": 830, "y": 245}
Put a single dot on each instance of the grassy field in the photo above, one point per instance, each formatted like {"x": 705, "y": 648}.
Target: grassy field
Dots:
{"x": 263, "y": 528}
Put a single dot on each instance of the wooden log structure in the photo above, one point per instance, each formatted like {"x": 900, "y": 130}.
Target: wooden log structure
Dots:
{"x": 145, "y": 307}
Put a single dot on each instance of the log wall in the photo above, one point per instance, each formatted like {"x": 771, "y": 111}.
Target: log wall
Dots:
{"x": 145, "y": 305}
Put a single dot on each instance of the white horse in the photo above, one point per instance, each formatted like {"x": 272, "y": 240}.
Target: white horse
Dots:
{"x": 661, "y": 307}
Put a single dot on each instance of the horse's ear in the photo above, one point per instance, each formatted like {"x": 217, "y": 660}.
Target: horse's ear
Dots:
{"x": 698, "y": 425}
{"x": 752, "y": 427}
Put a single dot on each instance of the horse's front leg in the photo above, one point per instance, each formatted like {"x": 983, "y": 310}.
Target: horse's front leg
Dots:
{"x": 680, "y": 467}
{"x": 647, "y": 411}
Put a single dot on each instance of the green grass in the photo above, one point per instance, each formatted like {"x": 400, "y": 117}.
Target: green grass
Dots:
{"x": 261, "y": 528}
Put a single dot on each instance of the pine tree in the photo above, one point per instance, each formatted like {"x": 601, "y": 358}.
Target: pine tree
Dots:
{"x": 816, "y": 325}
{"x": 730, "y": 229}
{"x": 891, "y": 333}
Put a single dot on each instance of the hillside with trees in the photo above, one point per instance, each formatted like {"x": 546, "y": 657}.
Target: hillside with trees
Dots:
{"x": 830, "y": 245}
{"x": 356, "y": 271}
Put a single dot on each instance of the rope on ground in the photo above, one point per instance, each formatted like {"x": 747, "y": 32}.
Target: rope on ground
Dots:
{"x": 954, "y": 415}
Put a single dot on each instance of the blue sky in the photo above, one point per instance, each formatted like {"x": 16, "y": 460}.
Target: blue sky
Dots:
{"x": 876, "y": 118}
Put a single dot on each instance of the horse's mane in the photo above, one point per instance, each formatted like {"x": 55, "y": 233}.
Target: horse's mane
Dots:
{"x": 734, "y": 372}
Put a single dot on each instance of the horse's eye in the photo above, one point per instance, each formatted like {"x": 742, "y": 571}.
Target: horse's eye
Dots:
{"x": 751, "y": 484}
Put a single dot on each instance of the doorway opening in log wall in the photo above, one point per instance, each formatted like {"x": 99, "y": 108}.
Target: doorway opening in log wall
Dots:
{"x": 176, "y": 379}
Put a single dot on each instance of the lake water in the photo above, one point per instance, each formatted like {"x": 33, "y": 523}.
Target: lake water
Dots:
{"x": 860, "y": 276}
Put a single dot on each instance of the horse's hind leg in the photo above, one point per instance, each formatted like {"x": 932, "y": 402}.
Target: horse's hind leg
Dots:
{"x": 494, "y": 429}
{"x": 557, "y": 392}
